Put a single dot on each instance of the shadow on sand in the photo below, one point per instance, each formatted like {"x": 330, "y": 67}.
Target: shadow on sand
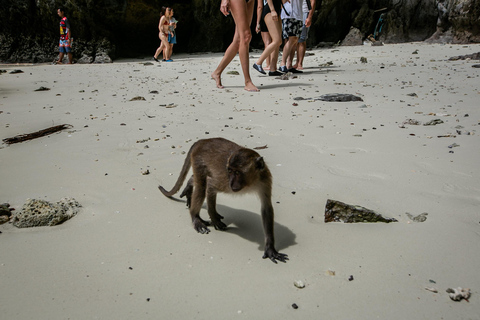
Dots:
{"x": 248, "y": 225}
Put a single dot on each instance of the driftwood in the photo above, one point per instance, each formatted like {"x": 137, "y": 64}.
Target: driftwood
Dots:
{"x": 38, "y": 134}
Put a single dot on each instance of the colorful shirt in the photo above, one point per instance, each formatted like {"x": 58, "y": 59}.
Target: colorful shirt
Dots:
{"x": 64, "y": 27}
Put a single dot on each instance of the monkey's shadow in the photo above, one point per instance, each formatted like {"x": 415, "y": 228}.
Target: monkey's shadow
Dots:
{"x": 249, "y": 226}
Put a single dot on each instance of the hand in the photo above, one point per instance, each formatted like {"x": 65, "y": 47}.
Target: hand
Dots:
{"x": 257, "y": 29}
{"x": 308, "y": 22}
{"x": 225, "y": 7}
{"x": 274, "y": 15}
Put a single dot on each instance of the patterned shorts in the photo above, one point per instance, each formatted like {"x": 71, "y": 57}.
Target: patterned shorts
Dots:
{"x": 64, "y": 46}
{"x": 291, "y": 28}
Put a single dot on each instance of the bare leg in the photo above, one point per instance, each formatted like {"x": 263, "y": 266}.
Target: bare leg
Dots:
{"x": 293, "y": 46}
{"x": 301, "y": 49}
{"x": 242, "y": 14}
{"x": 287, "y": 50}
{"x": 60, "y": 58}
{"x": 70, "y": 57}
{"x": 266, "y": 41}
{"x": 159, "y": 50}
{"x": 275, "y": 30}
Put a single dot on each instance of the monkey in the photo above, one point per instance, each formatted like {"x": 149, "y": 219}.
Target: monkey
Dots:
{"x": 220, "y": 165}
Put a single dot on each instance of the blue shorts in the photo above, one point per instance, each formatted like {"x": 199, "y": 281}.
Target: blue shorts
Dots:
{"x": 64, "y": 46}
{"x": 172, "y": 40}
{"x": 304, "y": 34}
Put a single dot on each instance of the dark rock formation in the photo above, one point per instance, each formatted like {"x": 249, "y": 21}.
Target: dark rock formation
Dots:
{"x": 105, "y": 29}
{"x": 339, "y": 97}
{"x": 336, "y": 211}
{"x": 36, "y": 213}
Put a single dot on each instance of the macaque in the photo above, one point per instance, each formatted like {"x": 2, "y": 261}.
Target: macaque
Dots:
{"x": 220, "y": 165}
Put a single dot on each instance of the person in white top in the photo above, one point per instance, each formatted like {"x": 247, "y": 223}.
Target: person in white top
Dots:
{"x": 302, "y": 41}
{"x": 292, "y": 28}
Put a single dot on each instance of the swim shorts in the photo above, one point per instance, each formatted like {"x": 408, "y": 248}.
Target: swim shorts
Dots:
{"x": 64, "y": 46}
{"x": 172, "y": 40}
{"x": 291, "y": 28}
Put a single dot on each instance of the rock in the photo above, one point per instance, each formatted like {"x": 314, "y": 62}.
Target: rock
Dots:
{"x": 420, "y": 218}
{"x": 353, "y": 38}
{"x": 338, "y": 97}
{"x": 36, "y": 213}
{"x": 299, "y": 284}
{"x": 433, "y": 122}
{"x": 138, "y": 98}
{"x": 42, "y": 89}
{"x": 5, "y": 210}
{"x": 457, "y": 294}
{"x": 336, "y": 211}
{"x": 473, "y": 56}
{"x": 412, "y": 122}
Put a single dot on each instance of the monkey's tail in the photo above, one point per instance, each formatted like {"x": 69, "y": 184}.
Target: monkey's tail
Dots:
{"x": 181, "y": 177}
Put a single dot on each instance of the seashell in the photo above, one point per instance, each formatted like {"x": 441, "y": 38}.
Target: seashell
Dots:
{"x": 299, "y": 284}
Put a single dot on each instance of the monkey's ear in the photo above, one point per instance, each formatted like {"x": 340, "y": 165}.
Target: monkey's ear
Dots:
{"x": 259, "y": 163}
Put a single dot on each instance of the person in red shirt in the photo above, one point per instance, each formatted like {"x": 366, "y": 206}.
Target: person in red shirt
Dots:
{"x": 65, "y": 45}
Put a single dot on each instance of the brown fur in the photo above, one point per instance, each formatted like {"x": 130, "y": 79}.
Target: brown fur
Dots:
{"x": 220, "y": 165}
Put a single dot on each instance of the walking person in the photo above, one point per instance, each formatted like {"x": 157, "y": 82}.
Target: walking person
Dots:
{"x": 292, "y": 28}
{"x": 302, "y": 41}
{"x": 65, "y": 44}
{"x": 262, "y": 28}
{"x": 242, "y": 13}
{"x": 271, "y": 16}
{"x": 163, "y": 34}
{"x": 172, "y": 35}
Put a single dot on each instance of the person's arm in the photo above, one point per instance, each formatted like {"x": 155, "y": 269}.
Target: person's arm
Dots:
{"x": 308, "y": 21}
{"x": 259, "y": 14}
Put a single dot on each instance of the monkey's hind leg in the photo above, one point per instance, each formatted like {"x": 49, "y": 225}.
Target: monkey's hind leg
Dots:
{"x": 212, "y": 209}
{"x": 188, "y": 191}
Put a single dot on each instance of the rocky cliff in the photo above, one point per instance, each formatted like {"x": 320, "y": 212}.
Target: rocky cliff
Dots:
{"x": 105, "y": 29}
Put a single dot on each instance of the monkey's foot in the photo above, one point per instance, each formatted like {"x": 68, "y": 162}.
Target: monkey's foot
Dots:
{"x": 219, "y": 225}
{"x": 200, "y": 226}
{"x": 273, "y": 255}
{"x": 188, "y": 193}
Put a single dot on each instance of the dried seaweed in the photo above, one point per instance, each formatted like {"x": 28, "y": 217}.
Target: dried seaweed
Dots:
{"x": 38, "y": 134}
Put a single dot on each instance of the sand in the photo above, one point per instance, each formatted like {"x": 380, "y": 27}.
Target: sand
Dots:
{"x": 131, "y": 253}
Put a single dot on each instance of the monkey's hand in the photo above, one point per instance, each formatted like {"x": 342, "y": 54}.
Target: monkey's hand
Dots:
{"x": 200, "y": 226}
{"x": 273, "y": 255}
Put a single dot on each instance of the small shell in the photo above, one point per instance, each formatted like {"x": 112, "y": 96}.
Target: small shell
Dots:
{"x": 299, "y": 284}
{"x": 431, "y": 289}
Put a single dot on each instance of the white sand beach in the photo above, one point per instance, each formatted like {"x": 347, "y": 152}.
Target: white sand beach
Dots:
{"x": 132, "y": 253}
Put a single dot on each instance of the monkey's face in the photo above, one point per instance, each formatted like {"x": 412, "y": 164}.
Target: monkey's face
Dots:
{"x": 236, "y": 179}
{"x": 243, "y": 169}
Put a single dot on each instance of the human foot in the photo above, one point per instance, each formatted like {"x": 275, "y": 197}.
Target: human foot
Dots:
{"x": 250, "y": 87}
{"x": 218, "y": 80}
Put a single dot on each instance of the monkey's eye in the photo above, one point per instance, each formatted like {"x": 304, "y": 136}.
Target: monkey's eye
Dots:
{"x": 229, "y": 170}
